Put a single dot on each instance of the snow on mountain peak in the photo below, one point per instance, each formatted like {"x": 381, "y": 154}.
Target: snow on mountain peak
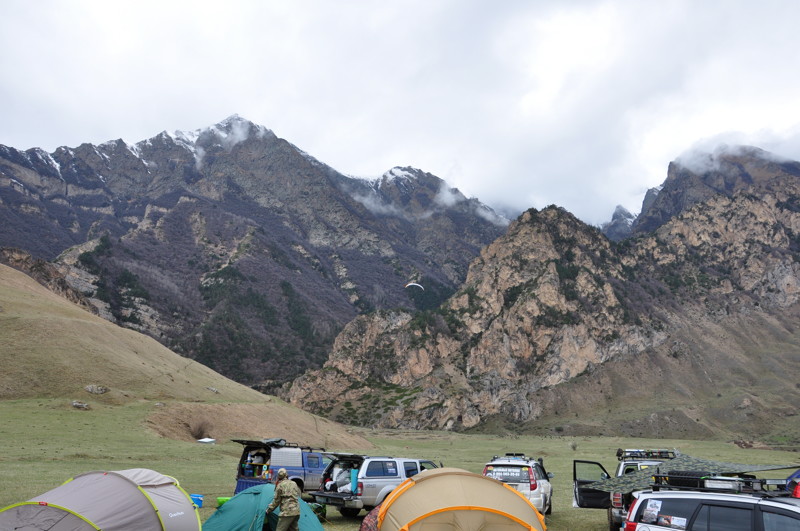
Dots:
{"x": 399, "y": 173}
{"x": 227, "y": 133}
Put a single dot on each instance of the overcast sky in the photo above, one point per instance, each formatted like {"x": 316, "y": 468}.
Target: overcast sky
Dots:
{"x": 581, "y": 103}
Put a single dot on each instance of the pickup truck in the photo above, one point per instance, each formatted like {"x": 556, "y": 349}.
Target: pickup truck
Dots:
{"x": 584, "y": 473}
{"x": 352, "y": 482}
{"x": 261, "y": 460}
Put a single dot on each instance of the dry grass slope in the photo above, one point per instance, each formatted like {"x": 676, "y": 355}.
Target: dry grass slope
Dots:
{"x": 51, "y": 348}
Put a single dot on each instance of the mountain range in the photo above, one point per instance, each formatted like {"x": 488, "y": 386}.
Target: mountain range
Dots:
{"x": 237, "y": 249}
{"x": 234, "y": 247}
{"x": 687, "y": 328}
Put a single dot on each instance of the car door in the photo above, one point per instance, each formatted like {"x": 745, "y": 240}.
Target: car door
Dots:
{"x": 544, "y": 481}
{"x": 315, "y": 464}
{"x": 584, "y": 473}
{"x": 378, "y": 474}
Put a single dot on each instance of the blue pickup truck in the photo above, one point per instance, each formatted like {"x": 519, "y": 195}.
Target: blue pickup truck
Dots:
{"x": 261, "y": 460}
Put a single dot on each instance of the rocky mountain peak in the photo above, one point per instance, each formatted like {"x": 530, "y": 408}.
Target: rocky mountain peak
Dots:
{"x": 697, "y": 176}
{"x": 619, "y": 227}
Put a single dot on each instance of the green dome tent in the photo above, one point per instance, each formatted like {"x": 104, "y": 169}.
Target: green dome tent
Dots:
{"x": 138, "y": 499}
{"x": 246, "y": 511}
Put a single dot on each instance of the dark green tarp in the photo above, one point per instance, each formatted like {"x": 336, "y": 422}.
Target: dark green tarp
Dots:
{"x": 643, "y": 479}
{"x": 245, "y": 512}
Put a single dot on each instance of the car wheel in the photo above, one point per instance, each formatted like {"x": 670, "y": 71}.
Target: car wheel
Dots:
{"x": 612, "y": 525}
{"x": 549, "y": 509}
{"x": 350, "y": 512}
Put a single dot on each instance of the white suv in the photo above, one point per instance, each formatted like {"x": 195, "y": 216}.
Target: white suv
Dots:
{"x": 525, "y": 474}
{"x": 710, "y": 511}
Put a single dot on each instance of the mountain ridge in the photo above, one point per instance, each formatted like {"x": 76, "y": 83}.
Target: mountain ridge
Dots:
{"x": 234, "y": 247}
{"x": 251, "y": 256}
{"x": 552, "y": 303}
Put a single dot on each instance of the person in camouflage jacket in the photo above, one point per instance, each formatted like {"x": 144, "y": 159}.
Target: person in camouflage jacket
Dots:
{"x": 287, "y": 496}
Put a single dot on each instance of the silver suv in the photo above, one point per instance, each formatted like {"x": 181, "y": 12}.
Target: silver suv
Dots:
{"x": 700, "y": 510}
{"x": 525, "y": 474}
{"x": 353, "y": 482}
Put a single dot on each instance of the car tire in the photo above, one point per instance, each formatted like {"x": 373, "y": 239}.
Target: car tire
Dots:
{"x": 549, "y": 508}
{"x": 349, "y": 512}
{"x": 612, "y": 525}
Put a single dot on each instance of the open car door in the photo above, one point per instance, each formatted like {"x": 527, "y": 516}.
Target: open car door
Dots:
{"x": 584, "y": 473}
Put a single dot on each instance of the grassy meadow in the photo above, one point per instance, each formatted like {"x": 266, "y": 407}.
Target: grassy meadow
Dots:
{"x": 45, "y": 442}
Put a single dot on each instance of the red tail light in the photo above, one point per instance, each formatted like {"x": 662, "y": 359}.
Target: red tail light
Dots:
{"x": 359, "y": 489}
{"x": 485, "y": 470}
{"x": 630, "y": 523}
{"x": 532, "y": 479}
{"x": 616, "y": 499}
{"x": 796, "y": 491}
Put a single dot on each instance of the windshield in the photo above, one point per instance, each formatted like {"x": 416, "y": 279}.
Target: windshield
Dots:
{"x": 509, "y": 474}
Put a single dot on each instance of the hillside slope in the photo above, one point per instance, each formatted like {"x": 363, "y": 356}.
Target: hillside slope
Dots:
{"x": 52, "y": 348}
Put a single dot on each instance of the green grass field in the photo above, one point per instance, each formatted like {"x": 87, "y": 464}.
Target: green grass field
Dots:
{"x": 46, "y": 443}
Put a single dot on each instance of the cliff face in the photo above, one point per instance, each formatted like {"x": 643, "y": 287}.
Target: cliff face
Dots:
{"x": 557, "y": 328}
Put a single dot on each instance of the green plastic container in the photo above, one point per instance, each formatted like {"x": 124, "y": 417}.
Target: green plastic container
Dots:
{"x": 221, "y": 500}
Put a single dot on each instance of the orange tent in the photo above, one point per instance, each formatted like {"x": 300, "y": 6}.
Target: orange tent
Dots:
{"x": 451, "y": 498}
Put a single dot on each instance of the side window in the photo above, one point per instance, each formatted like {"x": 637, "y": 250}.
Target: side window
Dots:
{"x": 701, "y": 522}
{"x": 780, "y": 521}
{"x": 313, "y": 461}
{"x": 381, "y": 468}
{"x": 672, "y": 513}
{"x": 411, "y": 468}
{"x": 427, "y": 465}
{"x": 711, "y": 517}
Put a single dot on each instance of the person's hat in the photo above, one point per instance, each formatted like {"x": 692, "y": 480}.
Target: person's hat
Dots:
{"x": 282, "y": 473}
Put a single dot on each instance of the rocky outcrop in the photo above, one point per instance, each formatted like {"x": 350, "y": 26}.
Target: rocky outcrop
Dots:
{"x": 554, "y": 319}
{"x": 46, "y": 274}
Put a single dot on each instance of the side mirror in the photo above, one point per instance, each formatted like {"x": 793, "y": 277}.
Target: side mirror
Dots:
{"x": 550, "y": 475}
{"x": 604, "y": 476}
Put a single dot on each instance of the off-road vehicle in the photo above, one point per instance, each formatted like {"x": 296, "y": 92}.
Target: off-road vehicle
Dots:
{"x": 525, "y": 474}
{"x": 703, "y": 503}
{"x": 617, "y": 503}
{"x": 352, "y": 482}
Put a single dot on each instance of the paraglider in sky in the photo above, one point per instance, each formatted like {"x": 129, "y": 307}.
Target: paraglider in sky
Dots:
{"x": 415, "y": 284}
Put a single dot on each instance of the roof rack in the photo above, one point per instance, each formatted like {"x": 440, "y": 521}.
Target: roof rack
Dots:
{"x": 653, "y": 453}
{"x": 742, "y": 484}
{"x": 512, "y": 455}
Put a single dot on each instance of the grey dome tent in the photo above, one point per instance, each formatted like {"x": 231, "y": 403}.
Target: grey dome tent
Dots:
{"x": 138, "y": 499}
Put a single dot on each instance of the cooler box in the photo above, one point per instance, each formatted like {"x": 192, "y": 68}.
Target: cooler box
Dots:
{"x": 197, "y": 499}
